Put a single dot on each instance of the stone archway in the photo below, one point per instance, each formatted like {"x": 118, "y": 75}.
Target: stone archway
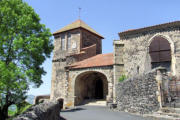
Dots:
{"x": 160, "y": 53}
{"x": 173, "y": 58}
{"x": 90, "y": 85}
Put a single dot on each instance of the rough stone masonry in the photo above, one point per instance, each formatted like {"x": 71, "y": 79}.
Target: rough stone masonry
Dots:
{"x": 138, "y": 94}
{"x": 140, "y": 50}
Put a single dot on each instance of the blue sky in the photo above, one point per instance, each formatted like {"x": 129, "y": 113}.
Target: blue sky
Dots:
{"x": 107, "y": 17}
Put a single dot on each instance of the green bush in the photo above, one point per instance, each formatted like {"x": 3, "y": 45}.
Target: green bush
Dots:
{"x": 12, "y": 110}
{"x": 11, "y": 113}
{"x": 18, "y": 109}
{"x": 122, "y": 78}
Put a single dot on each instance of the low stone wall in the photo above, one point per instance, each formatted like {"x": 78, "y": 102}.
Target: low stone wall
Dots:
{"x": 138, "y": 94}
{"x": 43, "y": 111}
{"x": 41, "y": 98}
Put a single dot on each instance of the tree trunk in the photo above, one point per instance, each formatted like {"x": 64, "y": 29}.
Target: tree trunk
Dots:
{"x": 4, "y": 110}
{"x": 4, "y": 114}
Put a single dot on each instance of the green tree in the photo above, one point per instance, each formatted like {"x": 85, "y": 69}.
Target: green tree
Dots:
{"x": 25, "y": 43}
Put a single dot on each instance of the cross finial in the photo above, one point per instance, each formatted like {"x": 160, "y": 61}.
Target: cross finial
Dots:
{"x": 79, "y": 12}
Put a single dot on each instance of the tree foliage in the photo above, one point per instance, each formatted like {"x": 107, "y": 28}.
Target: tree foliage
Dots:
{"x": 24, "y": 45}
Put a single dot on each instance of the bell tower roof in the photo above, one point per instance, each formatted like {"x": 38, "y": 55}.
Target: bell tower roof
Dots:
{"x": 77, "y": 24}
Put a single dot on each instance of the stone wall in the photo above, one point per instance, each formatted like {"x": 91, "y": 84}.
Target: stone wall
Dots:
{"x": 118, "y": 64}
{"x": 75, "y": 42}
{"x": 136, "y": 58}
{"x": 138, "y": 94}
{"x": 86, "y": 52}
{"x": 41, "y": 98}
{"x": 43, "y": 111}
{"x": 89, "y": 39}
{"x": 60, "y": 61}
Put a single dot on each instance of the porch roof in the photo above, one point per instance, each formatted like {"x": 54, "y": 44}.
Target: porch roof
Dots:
{"x": 95, "y": 61}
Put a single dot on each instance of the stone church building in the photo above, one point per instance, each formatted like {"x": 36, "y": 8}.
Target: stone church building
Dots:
{"x": 80, "y": 71}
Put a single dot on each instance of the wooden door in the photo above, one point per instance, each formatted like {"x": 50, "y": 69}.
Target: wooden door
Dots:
{"x": 160, "y": 52}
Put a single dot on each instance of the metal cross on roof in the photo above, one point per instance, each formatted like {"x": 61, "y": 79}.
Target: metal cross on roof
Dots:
{"x": 79, "y": 12}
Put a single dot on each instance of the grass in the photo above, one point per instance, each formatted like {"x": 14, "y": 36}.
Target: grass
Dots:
{"x": 23, "y": 109}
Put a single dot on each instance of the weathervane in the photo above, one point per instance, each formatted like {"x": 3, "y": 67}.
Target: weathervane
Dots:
{"x": 79, "y": 12}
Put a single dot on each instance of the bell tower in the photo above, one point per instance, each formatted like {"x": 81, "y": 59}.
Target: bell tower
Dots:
{"x": 74, "y": 42}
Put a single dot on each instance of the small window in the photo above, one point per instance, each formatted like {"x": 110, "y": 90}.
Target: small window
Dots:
{"x": 69, "y": 41}
{"x": 63, "y": 42}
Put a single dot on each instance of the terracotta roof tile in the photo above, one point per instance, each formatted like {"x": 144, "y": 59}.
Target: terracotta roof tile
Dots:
{"x": 95, "y": 61}
{"x": 77, "y": 24}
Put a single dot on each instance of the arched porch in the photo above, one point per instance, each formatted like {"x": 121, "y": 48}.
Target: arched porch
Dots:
{"x": 90, "y": 85}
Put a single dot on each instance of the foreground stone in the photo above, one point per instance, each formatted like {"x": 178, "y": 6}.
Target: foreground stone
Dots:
{"x": 43, "y": 111}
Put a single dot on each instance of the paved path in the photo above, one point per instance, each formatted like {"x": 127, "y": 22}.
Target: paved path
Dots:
{"x": 98, "y": 113}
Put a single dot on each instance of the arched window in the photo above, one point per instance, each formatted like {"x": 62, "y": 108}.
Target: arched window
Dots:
{"x": 160, "y": 53}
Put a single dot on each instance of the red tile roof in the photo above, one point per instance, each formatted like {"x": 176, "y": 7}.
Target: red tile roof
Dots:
{"x": 95, "y": 61}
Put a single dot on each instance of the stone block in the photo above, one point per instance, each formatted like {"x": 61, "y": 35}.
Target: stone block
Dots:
{"x": 43, "y": 111}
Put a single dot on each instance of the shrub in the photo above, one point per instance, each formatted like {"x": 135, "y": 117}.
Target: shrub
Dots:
{"x": 122, "y": 78}
{"x": 16, "y": 110}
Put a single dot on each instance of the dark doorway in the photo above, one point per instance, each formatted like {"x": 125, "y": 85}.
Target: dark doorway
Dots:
{"x": 99, "y": 89}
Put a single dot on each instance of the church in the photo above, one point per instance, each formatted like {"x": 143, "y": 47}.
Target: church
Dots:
{"x": 81, "y": 72}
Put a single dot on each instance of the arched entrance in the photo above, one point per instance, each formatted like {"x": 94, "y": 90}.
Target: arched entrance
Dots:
{"x": 89, "y": 86}
{"x": 160, "y": 52}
